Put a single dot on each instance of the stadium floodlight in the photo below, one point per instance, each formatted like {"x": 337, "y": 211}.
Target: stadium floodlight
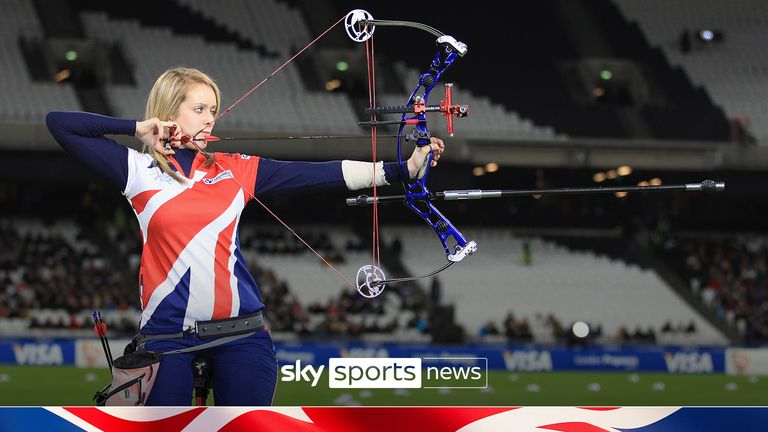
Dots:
{"x": 333, "y": 84}
{"x": 580, "y": 329}
{"x": 62, "y": 75}
{"x": 342, "y": 66}
{"x": 624, "y": 170}
{"x": 708, "y": 36}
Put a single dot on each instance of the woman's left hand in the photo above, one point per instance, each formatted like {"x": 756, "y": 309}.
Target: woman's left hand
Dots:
{"x": 417, "y": 162}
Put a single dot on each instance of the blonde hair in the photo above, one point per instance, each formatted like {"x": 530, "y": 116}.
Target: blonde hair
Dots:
{"x": 163, "y": 102}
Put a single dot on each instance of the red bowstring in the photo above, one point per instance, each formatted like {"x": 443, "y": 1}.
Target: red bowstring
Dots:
{"x": 253, "y": 196}
{"x": 371, "y": 64}
{"x": 344, "y": 278}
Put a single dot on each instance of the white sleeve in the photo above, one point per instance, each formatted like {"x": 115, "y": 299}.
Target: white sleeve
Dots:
{"x": 359, "y": 175}
{"x": 136, "y": 161}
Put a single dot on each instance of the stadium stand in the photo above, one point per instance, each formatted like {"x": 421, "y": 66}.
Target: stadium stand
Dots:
{"x": 728, "y": 61}
{"x": 26, "y": 101}
{"x": 284, "y": 29}
{"x": 727, "y": 274}
{"x": 242, "y": 46}
{"x": 610, "y": 292}
{"x": 285, "y": 105}
{"x": 271, "y": 23}
{"x": 554, "y": 68}
{"x": 308, "y": 299}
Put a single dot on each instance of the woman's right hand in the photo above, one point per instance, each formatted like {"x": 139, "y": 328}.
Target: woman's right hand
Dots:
{"x": 154, "y": 132}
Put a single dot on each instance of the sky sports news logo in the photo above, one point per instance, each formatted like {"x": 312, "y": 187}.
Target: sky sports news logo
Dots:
{"x": 359, "y": 373}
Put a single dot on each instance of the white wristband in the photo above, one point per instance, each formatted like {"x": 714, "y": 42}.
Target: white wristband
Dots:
{"x": 359, "y": 175}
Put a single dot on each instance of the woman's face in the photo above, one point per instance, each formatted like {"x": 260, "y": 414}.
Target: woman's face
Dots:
{"x": 196, "y": 114}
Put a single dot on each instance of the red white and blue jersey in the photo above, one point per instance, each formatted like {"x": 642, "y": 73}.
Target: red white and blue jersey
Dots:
{"x": 191, "y": 264}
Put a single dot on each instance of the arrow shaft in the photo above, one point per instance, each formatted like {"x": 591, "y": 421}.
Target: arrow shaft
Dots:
{"x": 212, "y": 138}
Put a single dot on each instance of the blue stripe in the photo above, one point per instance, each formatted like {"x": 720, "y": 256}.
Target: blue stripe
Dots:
{"x": 34, "y": 419}
{"x": 169, "y": 315}
{"x": 706, "y": 419}
{"x": 248, "y": 290}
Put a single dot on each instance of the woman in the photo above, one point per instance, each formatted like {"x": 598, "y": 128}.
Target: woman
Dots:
{"x": 194, "y": 285}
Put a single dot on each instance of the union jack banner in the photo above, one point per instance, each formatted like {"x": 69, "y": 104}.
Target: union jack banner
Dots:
{"x": 384, "y": 419}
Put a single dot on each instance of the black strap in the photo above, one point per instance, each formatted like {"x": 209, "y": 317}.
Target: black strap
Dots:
{"x": 221, "y": 331}
{"x": 230, "y": 326}
{"x": 211, "y": 344}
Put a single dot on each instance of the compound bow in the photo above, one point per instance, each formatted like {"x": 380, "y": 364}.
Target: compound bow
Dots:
{"x": 370, "y": 280}
{"x": 360, "y": 27}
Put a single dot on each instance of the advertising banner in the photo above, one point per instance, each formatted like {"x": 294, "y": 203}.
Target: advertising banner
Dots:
{"x": 384, "y": 419}
{"x": 89, "y": 353}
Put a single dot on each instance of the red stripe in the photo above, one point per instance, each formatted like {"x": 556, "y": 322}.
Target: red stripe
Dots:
{"x": 573, "y": 427}
{"x": 263, "y": 420}
{"x": 168, "y": 233}
{"x": 400, "y": 419}
{"x": 222, "y": 307}
{"x": 322, "y": 419}
{"x": 140, "y": 200}
{"x": 245, "y": 170}
{"x": 597, "y": 408}
{"x": 108, "y": 422}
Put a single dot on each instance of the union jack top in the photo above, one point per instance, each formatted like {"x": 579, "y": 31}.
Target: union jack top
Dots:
{"x": 192, "y": 267}
{"x": 191, "y": 264}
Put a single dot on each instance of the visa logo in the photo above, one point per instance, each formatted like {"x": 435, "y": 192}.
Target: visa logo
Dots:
{"x": 528, "y": 360}
{"x": 38, "y": 354}
{"x": 689, "y": 362}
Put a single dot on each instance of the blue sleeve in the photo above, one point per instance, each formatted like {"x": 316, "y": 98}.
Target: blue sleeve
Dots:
{"x": 276, "y": 176}
{"x": 392, "y": 172}
{"x": 82, "y": 135}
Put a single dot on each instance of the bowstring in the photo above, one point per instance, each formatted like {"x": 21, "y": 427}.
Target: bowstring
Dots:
{"x": 371, "y": 67}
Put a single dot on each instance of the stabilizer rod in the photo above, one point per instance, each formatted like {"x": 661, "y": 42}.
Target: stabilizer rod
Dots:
{"x": 467, "y": 194}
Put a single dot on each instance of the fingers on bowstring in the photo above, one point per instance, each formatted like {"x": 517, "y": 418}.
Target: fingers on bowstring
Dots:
{"x": 163, "y": 144}
{"x": 437, "y": 147}
{"x": 172, "y": 127}
{"x": 434, "y": 156}
{"x": 171, "y": 134}
{"x": 164, "y": 149}
{"x": 437, "y": 151}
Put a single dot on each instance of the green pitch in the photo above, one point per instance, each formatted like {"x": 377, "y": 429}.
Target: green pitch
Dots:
{"x": 30, "y": 385}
